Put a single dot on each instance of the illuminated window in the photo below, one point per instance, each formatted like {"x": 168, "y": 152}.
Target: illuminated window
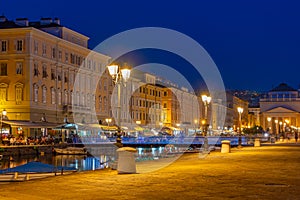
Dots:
{"x": 53, "y": 95}
{"x": 59, "y": 96}
{"x": 3, "y": 92}
{"x": 35, "y": 93}
{"x": 19, "y": 94}
{"x": 44, "y": 94}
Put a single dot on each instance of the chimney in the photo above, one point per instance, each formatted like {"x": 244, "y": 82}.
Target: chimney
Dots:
{"x": 56, "y": 21}
{"x": 22, "y": 21}
{"x": 46, "y": 20}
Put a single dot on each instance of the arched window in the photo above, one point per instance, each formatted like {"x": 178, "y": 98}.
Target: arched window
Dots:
{"x": 3, "y": 92}
{"x": 35, "y": 92}
{"x": 53, "y": 96}
{"x": 59, "y": 96}
{"x": 44, "y": 94}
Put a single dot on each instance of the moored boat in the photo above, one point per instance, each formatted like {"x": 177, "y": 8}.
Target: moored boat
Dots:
{"x": 71, "y": 151}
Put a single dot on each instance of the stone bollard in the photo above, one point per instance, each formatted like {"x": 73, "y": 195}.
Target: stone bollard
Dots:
{"x": 126, "y": 160}
{"x": 27, "y": 177}
{"x": 257, "y": 142}
{"x": 226, "y": 148}
{"x": 15, "y": 176}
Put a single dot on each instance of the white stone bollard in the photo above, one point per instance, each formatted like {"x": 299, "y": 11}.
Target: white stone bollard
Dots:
{"x": 126, "y": 160}
{"x": 27, "y": 177}
{"x": 15, "y": 176}
{"x": 256, "y": 142}
{"x": 226, "y": 148}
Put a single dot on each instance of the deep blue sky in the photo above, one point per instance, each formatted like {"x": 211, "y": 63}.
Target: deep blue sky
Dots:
{"x": 254, "y": 43}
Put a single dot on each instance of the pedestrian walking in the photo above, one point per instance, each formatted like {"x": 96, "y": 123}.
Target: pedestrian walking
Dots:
{"x": 296, "y": 137}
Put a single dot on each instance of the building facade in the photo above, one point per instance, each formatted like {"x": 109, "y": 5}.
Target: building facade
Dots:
{"x": 49, "y": 74}
{"x": 280, "y": 109}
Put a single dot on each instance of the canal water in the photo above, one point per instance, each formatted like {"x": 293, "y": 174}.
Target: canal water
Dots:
{"x": 100, "y": 158}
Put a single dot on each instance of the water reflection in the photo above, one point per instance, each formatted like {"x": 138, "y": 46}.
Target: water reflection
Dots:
{"x": 101, "y": 158}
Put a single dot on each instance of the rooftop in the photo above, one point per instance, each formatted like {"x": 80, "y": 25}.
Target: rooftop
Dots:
{"x": 23, "y": 22}
{"x": 283, "y": 87}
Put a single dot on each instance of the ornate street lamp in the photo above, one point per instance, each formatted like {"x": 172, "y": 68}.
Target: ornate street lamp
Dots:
{"x": 108, "y": 121}
{"x": 240, "y": 111}
{"x": 206, "y": 100}
{"x": 119, "y": 76}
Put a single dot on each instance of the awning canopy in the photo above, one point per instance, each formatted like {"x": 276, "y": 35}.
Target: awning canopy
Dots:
{"x": 80, "y": 126}
{"x": 29, "y": 124}
{"x": 66, "y": 126}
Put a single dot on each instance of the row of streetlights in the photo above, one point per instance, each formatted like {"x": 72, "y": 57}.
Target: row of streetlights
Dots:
{"x": 121, "y": 76}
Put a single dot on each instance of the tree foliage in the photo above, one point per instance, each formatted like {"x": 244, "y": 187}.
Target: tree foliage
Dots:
{"x": 253, "y": 130}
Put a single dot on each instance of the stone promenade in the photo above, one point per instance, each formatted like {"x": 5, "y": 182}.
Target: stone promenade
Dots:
{"x": 267, "y": 172}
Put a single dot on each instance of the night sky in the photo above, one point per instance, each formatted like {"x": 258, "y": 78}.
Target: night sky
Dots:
{"x": 254, "y": 43}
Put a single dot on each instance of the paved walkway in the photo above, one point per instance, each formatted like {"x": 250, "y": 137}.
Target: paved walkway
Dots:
{"x": 267, "y": 172}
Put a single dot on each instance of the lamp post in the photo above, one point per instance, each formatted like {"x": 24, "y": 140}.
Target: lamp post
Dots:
{"x": 3, "y": 113}
{"x": 276, "y": 126}
{"x": 119, "y": 76}
{"x": 240, "y": 111}
{"x": 269, "y": 127}
{"x": 206, "y": 100}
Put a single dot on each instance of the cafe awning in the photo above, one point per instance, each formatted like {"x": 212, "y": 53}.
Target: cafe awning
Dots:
{"x": 29, "y": 124}
{"x": 66, "y": 126}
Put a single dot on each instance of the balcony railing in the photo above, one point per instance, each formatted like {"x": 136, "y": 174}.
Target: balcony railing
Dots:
{"x": 279, "y": 99}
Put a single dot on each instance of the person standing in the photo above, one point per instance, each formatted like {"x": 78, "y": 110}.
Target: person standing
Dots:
{"x": 296, "y": 136}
